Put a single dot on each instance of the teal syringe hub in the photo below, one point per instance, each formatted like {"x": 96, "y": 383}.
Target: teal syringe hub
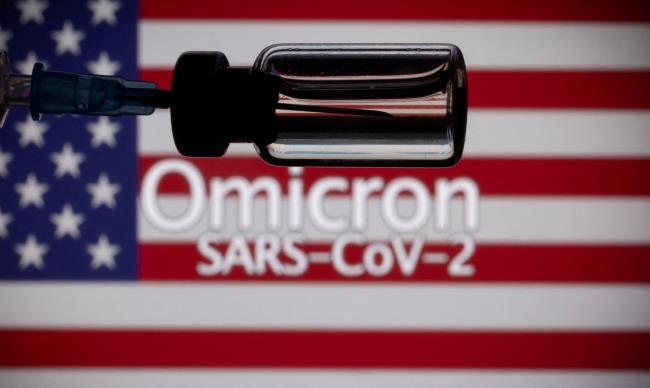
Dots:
{"x": 61, "y": 92}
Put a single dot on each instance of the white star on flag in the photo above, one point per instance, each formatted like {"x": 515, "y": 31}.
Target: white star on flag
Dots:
{"x": 31, "y": 10}
{"x": 31, "y": 192}
{"x": 103, "y": 192}
{"x": 25, "y": 66}
{"x": 5, "y": 158}
{"x": 104, "y": 11}
{"x": 68, "y": 39}
{"x": 31, "y": 132}
{"x": 5, "y": 36}
{"x": 67, "y": 161}
{"x": 5, "y": 219}
{"x": 67, "y": 222}
{"x": 103, "y": 65}
{"x": 31, "y": 253}
{"x": 103, "y": 253}
{"x": 103, "y": 132}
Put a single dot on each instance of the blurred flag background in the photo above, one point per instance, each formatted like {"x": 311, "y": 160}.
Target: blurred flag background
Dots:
{"x": 528, "y": 264}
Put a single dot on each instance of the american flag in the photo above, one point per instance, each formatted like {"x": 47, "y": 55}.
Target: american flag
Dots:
{"x": 528, "y": 264}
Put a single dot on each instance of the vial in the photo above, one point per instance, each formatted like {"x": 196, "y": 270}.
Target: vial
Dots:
{"x": 326, "y": 104}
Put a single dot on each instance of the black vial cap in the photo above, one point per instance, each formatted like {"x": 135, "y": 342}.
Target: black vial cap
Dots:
{"x": 193, "y": 104}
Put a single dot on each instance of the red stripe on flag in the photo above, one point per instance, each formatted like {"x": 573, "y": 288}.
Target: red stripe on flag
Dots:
{"x": 493, "y": 263}
{"x": 162, "y": 77}
{"x": 534, "y": 89}
{"x": 493, "y": 176}
{"x": 315, "y": 349}
{"x": 559, "y": 89}
{"x": 580, "y": 10}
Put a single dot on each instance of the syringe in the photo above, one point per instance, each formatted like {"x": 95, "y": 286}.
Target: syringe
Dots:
{"x": 299, "y": 104}
{"x": 59, "y": 92}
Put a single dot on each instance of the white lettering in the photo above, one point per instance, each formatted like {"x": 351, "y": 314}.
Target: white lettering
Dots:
{"x": 267, "y": 249}
{"x": 361, "y": 190}
{"x": 291, "y": 250}
{"x": 407, "y": 261}
{"x": 385, "y": 256}
{"x": 238, "y": 253}
{"x": 150, "y": 207}
{"x": 296, "y": 198}
{"x": 389, "y": 204}
{"x": 445, "y": 190}
{"x": 315, "y": 203}
{"x": 215, "y": 259}
{"x": 219, "y": 189}
{"x": 338, "y": 259}
{"x": 459, "y": 265}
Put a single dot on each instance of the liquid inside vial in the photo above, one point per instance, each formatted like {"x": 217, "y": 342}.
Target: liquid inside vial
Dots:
{"x": 363, "y": 103}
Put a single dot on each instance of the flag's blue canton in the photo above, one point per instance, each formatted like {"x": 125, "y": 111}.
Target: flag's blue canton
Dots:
{"x": 68, "y": 184}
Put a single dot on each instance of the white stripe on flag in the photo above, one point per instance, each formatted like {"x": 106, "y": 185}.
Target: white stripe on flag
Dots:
{"x": 493, "y": 133}
{"x": 316, "y": 378}
{"x": 485, "y": 44}
{"x": 503, "y": 219}
{"x": 325, "y": 306}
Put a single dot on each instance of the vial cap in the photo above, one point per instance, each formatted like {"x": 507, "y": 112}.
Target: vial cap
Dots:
{"x": 192, "y": 107}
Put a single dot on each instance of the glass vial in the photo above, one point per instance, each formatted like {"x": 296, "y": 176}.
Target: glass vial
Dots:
{"x": 339, "y": 104}
{"x": 366, "y": 104}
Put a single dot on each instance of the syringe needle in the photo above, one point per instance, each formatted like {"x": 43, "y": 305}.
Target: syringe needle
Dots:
{"x": 61, "y": 92}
